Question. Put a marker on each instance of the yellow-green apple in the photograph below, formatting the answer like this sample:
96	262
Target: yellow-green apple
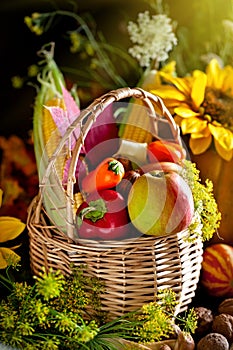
160	203
162	166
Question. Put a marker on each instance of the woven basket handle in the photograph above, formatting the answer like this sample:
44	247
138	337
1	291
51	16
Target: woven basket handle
85	121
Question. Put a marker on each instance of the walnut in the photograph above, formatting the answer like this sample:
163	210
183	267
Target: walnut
226	307
213	341
223	324
204	320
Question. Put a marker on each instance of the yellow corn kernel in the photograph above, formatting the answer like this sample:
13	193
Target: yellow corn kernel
138	127
50	136
48	123
78	200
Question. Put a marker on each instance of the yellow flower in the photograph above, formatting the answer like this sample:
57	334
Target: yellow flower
10	228
202	105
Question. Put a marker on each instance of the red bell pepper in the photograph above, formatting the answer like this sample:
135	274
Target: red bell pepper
103	216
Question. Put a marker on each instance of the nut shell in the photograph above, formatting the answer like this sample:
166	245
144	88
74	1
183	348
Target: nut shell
213	341
226	307
204	320
223	324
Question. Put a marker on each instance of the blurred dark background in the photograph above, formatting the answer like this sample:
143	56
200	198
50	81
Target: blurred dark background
19	49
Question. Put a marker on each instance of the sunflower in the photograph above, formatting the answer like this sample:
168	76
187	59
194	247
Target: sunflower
202	105
10	228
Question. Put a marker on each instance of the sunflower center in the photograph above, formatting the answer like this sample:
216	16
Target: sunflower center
219	106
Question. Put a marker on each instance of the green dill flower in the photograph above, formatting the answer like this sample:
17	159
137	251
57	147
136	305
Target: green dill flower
13	339
34	23
156	326
49	344
37	312
89	49
76	41
87	332
20	292
33	70
167	300
65	322
29	346
8	318
25	328
152	37
208	216
50	284
190	321
17	82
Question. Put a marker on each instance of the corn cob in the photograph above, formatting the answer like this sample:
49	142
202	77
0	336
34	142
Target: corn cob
137	127
51	138
78	200
48	124
51	87
53	195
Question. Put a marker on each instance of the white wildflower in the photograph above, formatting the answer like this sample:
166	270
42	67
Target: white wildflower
153	38
228	26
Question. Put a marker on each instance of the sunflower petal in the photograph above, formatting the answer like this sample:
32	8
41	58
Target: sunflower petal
200	145
201	133
169	68
181	84
223	136
169	92
225	154
192	125
8	257
185	112
10	228
198	88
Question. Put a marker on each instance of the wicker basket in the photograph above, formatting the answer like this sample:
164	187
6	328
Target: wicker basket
133	270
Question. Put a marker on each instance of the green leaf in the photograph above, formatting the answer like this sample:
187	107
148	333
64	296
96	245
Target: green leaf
95	211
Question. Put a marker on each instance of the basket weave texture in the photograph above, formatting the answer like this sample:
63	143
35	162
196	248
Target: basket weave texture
133	270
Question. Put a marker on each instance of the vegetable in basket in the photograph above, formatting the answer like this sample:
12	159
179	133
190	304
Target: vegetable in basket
107	174
55	110
103	216
165	151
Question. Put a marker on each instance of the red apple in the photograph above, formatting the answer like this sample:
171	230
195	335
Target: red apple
160	203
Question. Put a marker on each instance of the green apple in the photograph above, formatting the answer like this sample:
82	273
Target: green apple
160	203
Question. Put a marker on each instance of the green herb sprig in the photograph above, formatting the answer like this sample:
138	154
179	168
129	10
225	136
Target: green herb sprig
53	313
205	205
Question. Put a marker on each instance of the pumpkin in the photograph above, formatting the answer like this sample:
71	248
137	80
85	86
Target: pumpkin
219	171
217	270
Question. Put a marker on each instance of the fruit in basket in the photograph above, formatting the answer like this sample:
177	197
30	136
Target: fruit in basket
165	151
160	203
162	166
103	216
106	175
217	270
